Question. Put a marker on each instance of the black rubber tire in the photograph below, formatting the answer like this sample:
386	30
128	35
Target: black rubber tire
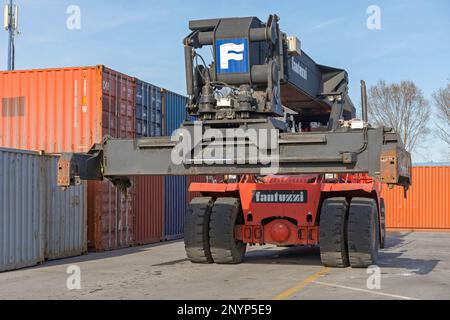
196	230
226	213
383	224
363	233
333	242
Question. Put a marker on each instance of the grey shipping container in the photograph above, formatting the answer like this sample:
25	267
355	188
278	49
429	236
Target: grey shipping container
37	220
21	210
65	218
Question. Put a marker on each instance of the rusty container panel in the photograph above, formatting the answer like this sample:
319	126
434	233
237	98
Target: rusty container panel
149	210
427	206
110	212
54	110
110	217
149	191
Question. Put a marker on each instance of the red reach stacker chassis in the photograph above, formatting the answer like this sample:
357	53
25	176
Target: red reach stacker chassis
343	214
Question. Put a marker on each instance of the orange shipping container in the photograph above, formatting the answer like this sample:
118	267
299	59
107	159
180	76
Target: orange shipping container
69	110
427	206
54	110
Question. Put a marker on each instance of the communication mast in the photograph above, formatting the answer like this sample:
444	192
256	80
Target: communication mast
11	24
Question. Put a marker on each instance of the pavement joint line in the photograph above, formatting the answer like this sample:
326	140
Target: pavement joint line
301	285
364	290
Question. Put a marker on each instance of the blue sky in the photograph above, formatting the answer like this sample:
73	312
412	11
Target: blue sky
144	39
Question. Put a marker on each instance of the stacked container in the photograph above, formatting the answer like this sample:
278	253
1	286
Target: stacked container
38	220
110	212
65	215
175	188
149	200
148	110
69	110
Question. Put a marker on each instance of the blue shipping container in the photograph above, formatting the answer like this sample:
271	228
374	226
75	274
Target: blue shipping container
148	110
175	206
174	111
175	188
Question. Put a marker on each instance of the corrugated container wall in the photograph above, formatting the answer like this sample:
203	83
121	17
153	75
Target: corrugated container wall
427	205
21	210
149	201
194	179
38	221
148	110
175	188
175	206
69	110
54	110
149	210
174	111
66	216
110	212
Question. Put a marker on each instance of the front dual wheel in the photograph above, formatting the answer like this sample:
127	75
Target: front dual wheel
349	233
209	231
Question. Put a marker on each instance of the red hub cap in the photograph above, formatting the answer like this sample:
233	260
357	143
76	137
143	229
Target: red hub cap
280	232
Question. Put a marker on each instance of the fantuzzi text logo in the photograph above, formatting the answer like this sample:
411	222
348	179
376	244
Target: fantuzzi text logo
297	68
272	196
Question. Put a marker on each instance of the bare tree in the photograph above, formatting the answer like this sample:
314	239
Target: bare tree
402	107
442	101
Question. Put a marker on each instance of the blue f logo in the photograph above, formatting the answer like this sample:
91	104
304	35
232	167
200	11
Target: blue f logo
232	56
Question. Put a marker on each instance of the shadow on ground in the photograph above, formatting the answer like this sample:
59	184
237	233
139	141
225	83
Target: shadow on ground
398	242
93	256
391	257
285	256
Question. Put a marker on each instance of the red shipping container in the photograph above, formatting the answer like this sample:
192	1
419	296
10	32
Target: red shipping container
195	179
111	215
149	196
427	206
149	210
69	110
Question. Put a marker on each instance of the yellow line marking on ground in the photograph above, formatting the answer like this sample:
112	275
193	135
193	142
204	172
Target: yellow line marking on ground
291	291
364	290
